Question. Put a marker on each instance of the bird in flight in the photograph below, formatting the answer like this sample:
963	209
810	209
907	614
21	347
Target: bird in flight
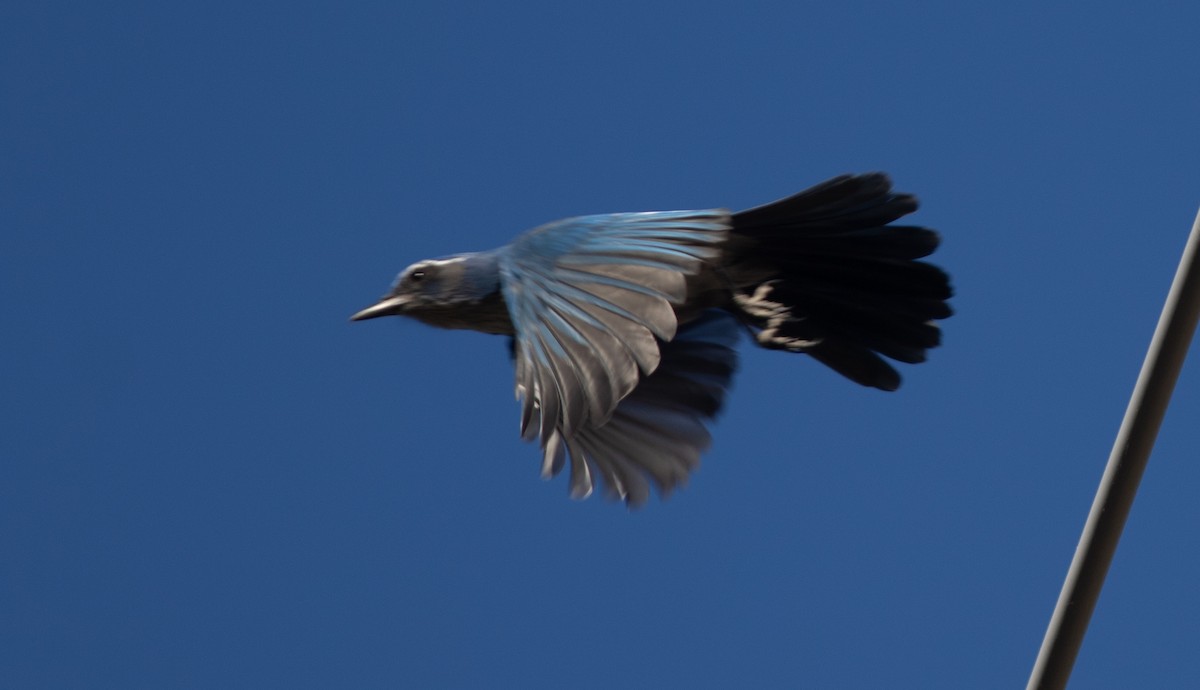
622	327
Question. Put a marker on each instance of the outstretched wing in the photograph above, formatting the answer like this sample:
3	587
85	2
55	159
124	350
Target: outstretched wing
590	300
658	431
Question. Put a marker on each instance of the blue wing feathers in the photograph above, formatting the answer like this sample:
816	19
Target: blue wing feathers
591	299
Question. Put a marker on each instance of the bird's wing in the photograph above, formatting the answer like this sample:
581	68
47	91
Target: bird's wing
658	432
590	300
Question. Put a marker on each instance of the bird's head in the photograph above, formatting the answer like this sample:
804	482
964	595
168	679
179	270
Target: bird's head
460	291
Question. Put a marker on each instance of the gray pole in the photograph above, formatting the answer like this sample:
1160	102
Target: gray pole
1119	484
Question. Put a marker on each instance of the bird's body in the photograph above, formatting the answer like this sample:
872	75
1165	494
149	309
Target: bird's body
624	324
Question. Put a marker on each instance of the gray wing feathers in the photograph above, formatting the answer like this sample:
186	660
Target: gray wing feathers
590	300
658	432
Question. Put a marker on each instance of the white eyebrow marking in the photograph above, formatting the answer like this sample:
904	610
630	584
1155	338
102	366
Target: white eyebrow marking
441	262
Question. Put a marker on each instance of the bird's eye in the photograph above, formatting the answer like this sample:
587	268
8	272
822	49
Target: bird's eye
416	276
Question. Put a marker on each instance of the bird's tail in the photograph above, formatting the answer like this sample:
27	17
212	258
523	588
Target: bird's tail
823	272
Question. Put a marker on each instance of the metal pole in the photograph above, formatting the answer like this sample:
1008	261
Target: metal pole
1119	484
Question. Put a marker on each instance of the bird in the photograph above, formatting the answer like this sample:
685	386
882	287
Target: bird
623	327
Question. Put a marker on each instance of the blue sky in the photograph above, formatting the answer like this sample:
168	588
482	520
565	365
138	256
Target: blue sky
209	478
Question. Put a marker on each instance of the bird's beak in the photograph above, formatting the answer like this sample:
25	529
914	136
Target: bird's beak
388	306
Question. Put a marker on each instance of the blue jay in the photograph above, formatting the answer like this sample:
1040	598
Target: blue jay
623	326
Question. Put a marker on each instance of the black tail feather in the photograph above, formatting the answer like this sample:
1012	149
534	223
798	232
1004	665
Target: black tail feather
851	202
888	242
832	279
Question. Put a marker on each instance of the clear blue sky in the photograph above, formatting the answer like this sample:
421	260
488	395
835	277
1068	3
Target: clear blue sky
210	479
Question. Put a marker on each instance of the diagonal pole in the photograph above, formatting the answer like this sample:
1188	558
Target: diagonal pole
1119	484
